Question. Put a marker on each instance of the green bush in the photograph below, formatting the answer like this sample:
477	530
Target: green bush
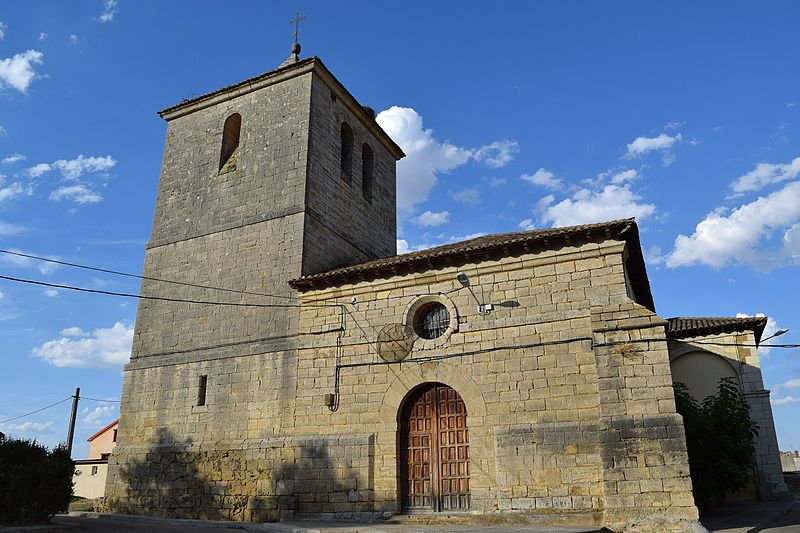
35	483
719	438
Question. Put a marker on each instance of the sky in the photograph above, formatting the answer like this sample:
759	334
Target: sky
513	116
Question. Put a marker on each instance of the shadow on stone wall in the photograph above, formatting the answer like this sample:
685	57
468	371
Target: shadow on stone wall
308	476
322	480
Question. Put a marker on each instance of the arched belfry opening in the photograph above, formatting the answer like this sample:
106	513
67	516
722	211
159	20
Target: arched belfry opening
434	450
230	143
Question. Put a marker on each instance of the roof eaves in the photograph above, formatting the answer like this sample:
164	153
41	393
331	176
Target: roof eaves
112	424
486	247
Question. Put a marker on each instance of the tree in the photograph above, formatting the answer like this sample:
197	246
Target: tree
719	438
35	483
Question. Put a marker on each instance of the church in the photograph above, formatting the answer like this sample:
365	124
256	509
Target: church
287	363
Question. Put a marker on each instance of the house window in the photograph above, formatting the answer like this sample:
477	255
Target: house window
431	320
347	152
94	470
201	390
230	143
366	172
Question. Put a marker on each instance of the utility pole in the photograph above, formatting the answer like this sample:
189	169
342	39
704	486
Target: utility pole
72	416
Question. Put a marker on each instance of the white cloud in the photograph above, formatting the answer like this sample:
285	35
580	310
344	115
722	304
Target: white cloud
43	36
429	218
402	246
792	384
588	206
30	427
497	154
73	169
426	157
73	39
769	330
643	145
38	170
51	293
73	331
13	159
99	416
467	196
497	182
3	29
724	237
79	194
786	400
2	296
10	229
110	9
765	174
18	71
544	178
12	191
105	347
3	131
625	175
527	225
674	125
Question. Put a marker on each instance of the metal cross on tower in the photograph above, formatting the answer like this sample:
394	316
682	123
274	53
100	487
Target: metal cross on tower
296	21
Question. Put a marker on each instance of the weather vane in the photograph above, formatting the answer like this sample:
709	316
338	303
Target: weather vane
296	21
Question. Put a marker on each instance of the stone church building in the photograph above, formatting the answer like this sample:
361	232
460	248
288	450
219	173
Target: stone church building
295	366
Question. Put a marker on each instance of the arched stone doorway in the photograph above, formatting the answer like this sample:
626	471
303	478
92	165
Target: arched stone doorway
434	450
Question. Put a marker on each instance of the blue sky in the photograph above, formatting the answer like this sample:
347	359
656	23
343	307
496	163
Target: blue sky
517	115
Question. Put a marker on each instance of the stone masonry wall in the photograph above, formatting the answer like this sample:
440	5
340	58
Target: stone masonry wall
546	434
646	475
345	228
236	456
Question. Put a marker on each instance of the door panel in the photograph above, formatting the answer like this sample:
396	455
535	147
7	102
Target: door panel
434	451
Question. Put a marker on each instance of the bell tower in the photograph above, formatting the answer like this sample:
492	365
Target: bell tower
276	177
264	181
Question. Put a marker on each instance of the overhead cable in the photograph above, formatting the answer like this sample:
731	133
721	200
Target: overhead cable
148	278
36	411
158	298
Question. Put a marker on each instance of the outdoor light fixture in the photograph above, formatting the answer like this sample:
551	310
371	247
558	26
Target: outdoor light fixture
462	279
776	334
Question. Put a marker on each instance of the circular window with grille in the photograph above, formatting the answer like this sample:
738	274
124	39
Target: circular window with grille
431	320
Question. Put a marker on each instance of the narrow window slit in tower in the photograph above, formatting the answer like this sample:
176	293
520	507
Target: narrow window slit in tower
230	143
366	172
201	390
347	152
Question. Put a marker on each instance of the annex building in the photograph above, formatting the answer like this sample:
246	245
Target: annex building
299	367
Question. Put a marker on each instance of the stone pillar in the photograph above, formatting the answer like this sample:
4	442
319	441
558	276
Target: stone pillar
645	462
771	485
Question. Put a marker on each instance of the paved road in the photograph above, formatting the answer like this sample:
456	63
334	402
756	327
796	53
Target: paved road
100	525
109	525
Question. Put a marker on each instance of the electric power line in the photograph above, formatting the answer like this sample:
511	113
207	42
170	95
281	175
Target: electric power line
36	411
99	400
148	278
158	298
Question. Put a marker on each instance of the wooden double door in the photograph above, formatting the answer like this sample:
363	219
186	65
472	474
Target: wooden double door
434	450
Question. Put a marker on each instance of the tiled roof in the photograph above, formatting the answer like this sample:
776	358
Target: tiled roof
111	425
682	327
492	247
